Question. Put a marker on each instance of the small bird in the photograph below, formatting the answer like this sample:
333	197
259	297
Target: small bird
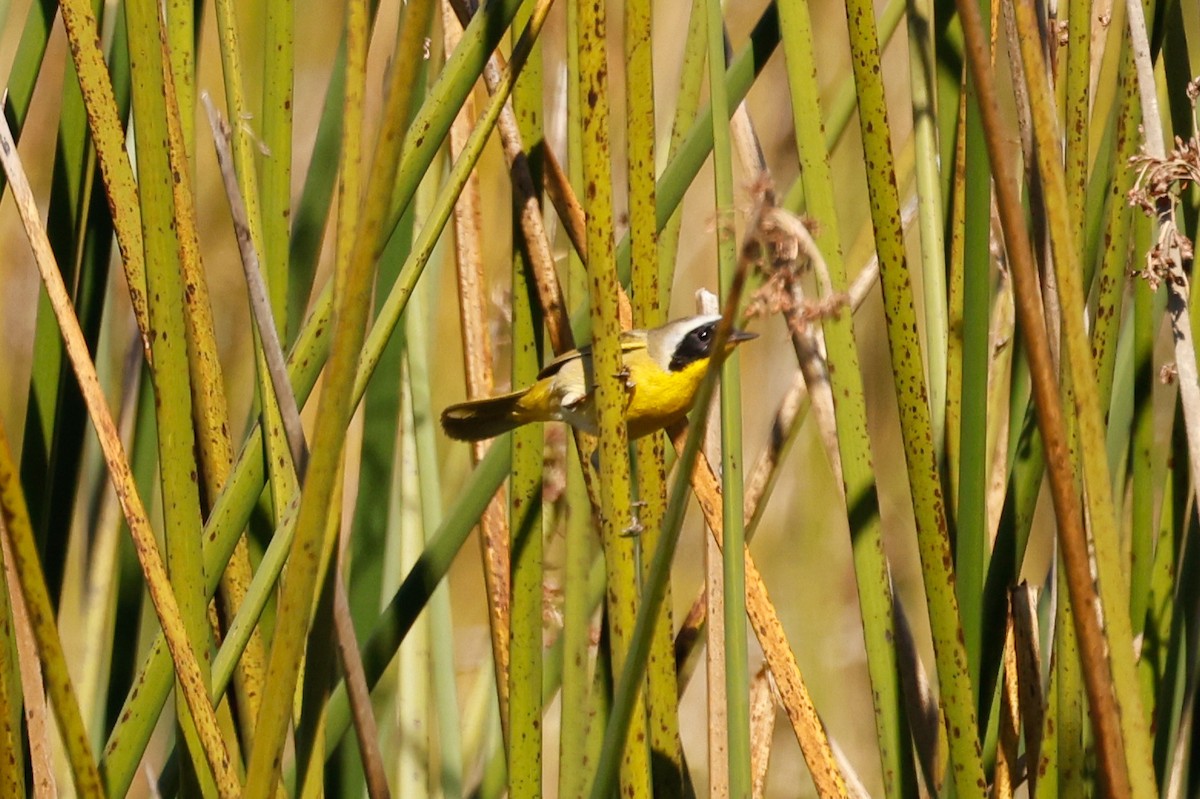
663	368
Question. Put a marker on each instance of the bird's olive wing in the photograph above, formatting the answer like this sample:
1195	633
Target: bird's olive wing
629	341
555	366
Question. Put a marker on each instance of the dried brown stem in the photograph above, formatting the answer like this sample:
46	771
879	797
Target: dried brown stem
260	305
1072	536
357	692
477	353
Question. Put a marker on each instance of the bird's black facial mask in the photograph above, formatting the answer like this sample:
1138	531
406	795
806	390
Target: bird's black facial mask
695	345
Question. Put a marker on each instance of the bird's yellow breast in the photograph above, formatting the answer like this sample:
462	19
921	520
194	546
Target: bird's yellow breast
656	397
659	398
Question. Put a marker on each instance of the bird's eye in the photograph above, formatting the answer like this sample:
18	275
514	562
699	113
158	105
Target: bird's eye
704	334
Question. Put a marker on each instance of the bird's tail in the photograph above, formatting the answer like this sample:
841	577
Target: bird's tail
476	420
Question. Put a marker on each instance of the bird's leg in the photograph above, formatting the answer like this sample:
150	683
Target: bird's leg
626	377
635	527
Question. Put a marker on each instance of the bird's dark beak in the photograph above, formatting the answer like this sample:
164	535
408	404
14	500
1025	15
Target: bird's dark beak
738	336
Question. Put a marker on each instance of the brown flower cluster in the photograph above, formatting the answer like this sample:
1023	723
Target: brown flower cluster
1156	191
788	253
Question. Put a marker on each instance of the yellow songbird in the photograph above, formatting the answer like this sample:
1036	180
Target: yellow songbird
663	370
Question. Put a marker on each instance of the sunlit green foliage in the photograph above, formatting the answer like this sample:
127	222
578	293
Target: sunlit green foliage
961	457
